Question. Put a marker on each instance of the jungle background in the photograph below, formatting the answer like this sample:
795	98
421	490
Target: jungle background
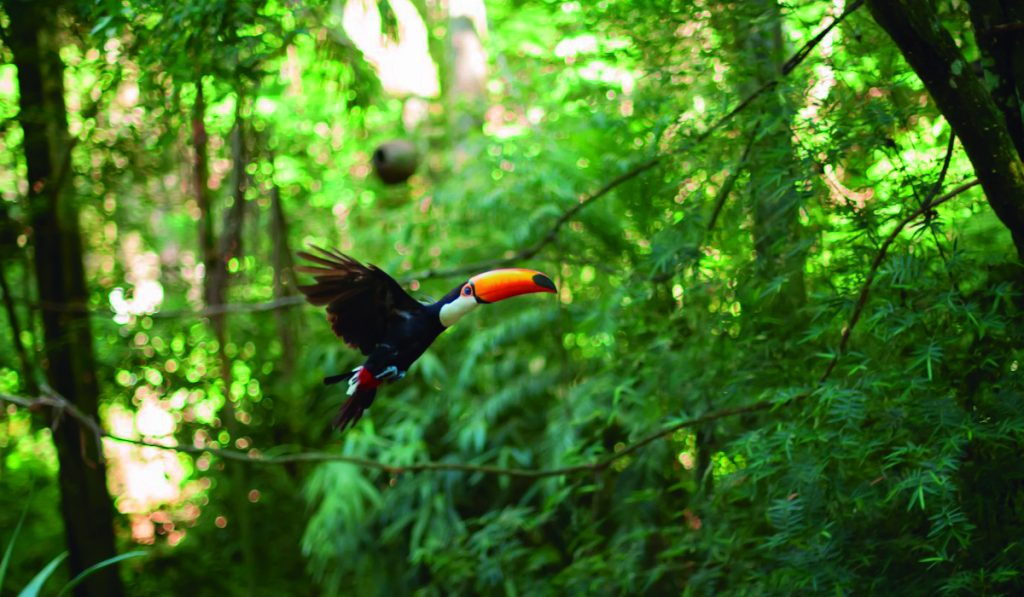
784	355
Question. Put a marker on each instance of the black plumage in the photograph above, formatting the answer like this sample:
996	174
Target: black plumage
370	311
363	302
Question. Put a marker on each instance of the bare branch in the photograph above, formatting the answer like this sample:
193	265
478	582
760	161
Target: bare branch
950	146
1008	28
280	303
730	181
50	398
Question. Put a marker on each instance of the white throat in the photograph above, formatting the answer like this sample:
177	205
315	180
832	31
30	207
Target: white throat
454	310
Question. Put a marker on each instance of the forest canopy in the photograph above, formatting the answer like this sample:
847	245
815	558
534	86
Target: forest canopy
783	356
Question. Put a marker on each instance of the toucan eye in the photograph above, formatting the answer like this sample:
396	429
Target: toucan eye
467	290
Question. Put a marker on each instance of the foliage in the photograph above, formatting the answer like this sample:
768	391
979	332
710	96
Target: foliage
34	586
896	472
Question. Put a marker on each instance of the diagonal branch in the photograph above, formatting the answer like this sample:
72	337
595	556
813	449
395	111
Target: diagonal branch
802	53
60	405
551	234
719	203
862	297
730	181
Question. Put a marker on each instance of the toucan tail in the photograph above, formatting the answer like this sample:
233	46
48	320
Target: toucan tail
362	387
353	408
333	379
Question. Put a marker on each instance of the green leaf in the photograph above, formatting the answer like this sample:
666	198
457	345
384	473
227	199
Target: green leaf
96	567
10	544
36	584
102	24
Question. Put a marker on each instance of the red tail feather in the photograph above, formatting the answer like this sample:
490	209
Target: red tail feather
353	408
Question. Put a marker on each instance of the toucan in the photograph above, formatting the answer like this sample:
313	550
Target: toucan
370	311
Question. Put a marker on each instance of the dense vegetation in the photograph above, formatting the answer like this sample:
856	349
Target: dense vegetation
784	356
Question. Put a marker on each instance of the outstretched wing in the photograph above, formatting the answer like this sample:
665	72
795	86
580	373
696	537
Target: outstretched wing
363	302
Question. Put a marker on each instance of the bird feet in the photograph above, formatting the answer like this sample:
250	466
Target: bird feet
390	374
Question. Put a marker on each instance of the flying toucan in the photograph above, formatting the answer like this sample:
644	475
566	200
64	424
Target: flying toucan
369	310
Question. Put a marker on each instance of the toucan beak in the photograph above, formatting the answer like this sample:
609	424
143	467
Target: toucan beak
500	284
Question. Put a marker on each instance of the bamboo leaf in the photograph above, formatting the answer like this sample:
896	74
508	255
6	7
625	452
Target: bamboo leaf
36	584
96	567
10	543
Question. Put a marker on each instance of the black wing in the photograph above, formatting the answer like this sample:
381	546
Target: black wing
363	302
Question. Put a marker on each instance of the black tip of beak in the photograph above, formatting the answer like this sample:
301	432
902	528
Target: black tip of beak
544	282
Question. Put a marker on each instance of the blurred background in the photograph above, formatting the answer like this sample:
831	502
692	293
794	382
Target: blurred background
725	233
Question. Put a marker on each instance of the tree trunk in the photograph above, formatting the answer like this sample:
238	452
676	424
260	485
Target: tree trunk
999	31
28	382
201	173
215	287
231	248
774	171
69	364
754	38
964	100
284	278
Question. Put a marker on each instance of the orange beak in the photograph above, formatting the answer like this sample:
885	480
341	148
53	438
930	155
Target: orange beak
500	284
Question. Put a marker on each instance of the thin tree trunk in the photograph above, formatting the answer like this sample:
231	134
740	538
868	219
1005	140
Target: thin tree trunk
754	39
287	325
231	248
215	286
28	382
87	509
774	172
201	173
284	277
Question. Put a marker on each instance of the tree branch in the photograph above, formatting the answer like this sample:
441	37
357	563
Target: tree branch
865	289
283	302
730	181
59	403
551	234
720	198
1008	28
802	53
52	400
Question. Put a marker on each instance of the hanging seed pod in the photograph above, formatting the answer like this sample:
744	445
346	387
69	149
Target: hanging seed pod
395	161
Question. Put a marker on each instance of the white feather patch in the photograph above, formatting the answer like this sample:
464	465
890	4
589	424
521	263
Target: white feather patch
353	382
